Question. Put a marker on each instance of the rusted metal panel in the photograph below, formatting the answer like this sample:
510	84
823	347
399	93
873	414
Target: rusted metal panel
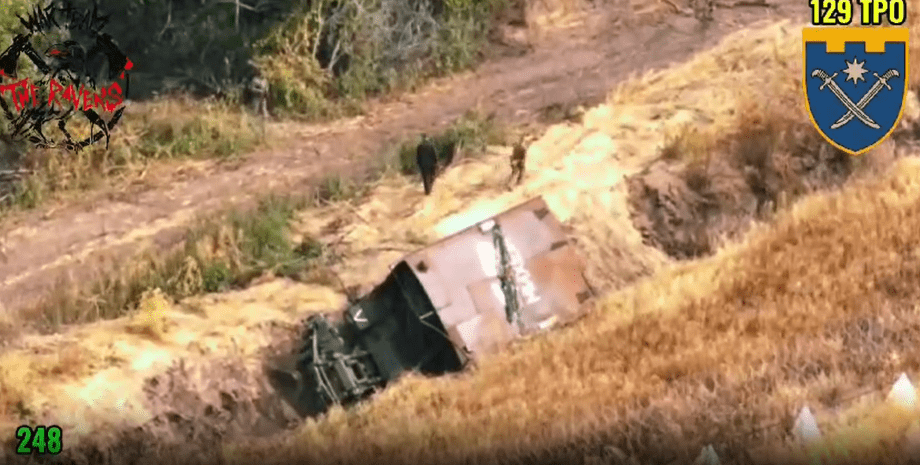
460	274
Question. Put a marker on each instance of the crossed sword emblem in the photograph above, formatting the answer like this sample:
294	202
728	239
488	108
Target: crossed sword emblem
855	110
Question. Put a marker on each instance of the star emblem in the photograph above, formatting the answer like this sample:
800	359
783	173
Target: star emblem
855	71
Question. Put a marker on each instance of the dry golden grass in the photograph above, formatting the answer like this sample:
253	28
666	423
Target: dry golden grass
670	359
150	317
730	73
21	375
808	281
577	169
364	250
865	435
90	379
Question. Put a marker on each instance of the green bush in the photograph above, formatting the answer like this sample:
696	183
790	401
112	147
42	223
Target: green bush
313	51
331	51
223	252
472	132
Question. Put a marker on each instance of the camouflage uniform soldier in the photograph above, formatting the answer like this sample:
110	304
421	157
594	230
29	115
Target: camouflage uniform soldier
259	88
702	10
426	156
518	159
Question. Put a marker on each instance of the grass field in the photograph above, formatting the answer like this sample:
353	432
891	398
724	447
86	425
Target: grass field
670	359
724	349
229	250
690	346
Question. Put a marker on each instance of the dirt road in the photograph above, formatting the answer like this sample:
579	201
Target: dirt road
580	65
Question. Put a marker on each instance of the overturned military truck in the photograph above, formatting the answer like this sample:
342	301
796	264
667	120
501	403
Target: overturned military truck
470	293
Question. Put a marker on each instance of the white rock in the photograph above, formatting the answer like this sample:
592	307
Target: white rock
903	393
707	456
806	427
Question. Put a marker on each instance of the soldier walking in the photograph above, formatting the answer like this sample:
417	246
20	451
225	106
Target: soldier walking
518	159
427	159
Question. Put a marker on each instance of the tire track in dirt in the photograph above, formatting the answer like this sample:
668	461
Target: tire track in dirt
77	242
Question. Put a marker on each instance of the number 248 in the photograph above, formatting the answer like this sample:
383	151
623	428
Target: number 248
39	439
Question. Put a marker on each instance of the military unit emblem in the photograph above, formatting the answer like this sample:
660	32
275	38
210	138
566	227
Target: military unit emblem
852	112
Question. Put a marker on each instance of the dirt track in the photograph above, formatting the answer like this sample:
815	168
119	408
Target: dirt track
579	65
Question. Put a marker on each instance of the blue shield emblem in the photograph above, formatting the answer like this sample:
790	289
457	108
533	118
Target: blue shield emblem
855	83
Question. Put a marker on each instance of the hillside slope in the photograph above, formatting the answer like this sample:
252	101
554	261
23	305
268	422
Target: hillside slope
677	344
687	356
